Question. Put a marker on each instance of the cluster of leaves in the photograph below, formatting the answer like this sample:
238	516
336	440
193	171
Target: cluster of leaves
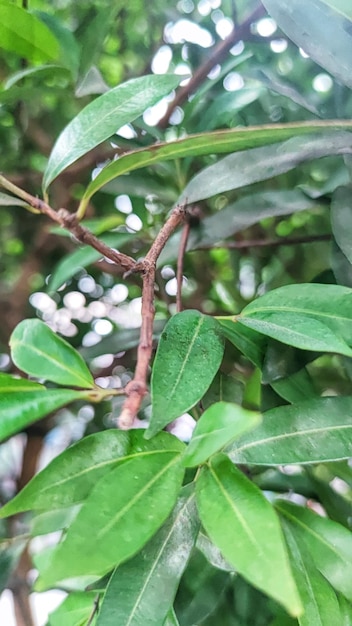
184	534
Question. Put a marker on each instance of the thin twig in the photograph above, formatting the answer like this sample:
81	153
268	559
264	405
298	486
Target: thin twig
69	221
179	273
238	33
137	387
94	610
261	243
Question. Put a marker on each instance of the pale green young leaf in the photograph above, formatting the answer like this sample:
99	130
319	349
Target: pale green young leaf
100	119
122	512
189	355
242	523
38	351
219	425
71	475
133	596
322	28
328	543
23	33
318	429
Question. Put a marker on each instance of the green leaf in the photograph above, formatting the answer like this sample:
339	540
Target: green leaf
296	329
51	521
82	257
220	423
123	511
188	356
7	200
103	117
74	610
311	26
329	544
341	220
23	33
320	603
251	166
10	553
133	596
243	524
71	476
296	387
318	429
172	620
69	49
251	343
218	142
38	351
329	304
23	402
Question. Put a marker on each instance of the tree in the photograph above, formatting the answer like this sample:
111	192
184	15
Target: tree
236	186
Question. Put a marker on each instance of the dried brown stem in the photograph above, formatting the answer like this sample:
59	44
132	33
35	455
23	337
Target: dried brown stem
179	274
238	33
137	388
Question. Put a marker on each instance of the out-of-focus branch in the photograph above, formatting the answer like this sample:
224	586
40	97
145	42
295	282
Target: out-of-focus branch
242	31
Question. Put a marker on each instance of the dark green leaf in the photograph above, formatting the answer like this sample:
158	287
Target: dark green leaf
329	544
134	596
171	619
188	356
70	477
311	26
243	524
320	603
121	513
218	142
103	117
251	166
38	351
23	33
329	304
296	387
224	388
220	423
69	50
251	343
296	329
314	430
23	402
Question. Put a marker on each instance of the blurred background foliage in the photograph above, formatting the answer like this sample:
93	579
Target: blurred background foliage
263	79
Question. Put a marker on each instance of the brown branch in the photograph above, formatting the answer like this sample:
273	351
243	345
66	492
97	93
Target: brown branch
137	388
69	221
238	33
261	243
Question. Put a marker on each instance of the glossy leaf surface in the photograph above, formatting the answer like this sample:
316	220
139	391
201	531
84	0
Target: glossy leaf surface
298	330
188	356
141	591
219	424
71	476
243	524
329	544
125	509
319	429
329	304
38	351
103	117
